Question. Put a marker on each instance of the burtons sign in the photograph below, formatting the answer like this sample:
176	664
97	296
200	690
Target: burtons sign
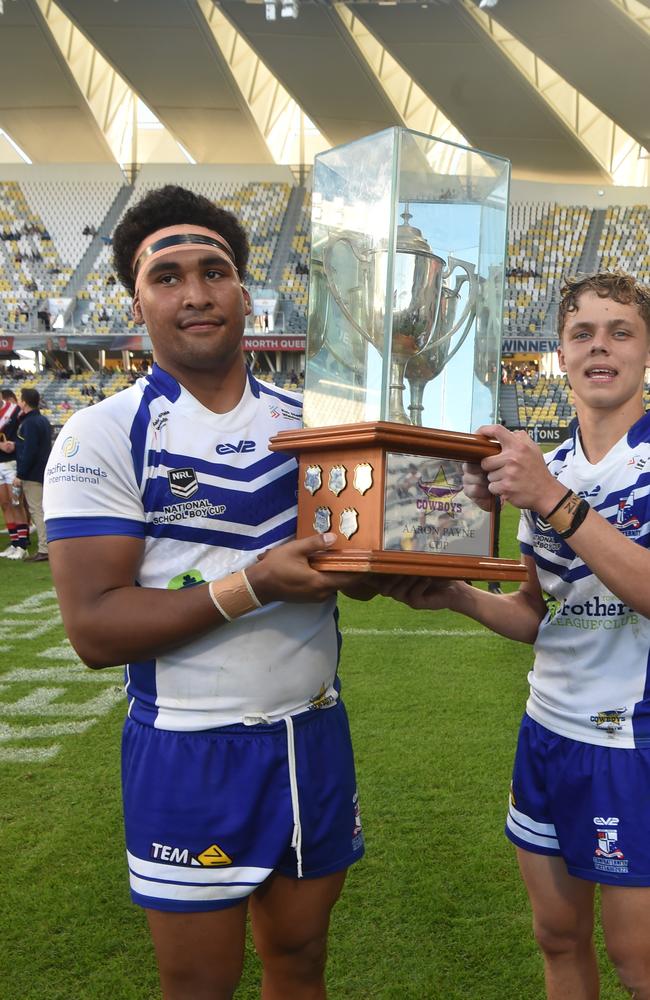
548	435
274	343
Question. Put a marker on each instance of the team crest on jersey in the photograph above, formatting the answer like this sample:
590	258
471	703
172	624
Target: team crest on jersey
625	519
611	720
183	482
608	856
638	462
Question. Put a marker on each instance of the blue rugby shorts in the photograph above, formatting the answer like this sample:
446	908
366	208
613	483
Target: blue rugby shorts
583	802
210	815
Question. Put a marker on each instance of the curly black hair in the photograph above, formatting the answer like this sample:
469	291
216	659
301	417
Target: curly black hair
172	205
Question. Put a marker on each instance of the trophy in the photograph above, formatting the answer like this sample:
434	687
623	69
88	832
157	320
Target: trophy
406	293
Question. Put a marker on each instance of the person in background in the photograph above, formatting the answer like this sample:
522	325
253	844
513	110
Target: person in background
33	445
13	508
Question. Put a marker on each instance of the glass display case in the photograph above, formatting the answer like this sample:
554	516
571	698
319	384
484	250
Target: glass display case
403	353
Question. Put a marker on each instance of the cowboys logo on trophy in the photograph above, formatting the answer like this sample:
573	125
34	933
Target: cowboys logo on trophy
403	351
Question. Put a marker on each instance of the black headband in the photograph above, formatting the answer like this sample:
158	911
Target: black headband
178	240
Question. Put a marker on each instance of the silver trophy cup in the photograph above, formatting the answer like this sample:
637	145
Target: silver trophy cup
423	313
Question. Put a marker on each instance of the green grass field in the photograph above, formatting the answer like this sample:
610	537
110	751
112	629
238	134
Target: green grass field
435	911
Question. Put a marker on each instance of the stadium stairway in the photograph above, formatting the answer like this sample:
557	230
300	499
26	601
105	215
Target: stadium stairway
589	258
78	279
508	408
285	236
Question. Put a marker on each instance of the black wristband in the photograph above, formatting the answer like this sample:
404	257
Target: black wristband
558	505
581	512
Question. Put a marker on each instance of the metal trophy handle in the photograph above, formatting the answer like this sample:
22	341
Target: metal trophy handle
469	312
323	286
429	362
317	332
329	270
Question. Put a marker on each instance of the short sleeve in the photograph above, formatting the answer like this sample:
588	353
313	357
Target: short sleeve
90	486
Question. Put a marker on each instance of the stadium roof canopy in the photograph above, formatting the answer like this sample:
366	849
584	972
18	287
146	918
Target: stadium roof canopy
560	87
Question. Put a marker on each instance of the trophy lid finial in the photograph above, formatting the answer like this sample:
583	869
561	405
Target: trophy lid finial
410	238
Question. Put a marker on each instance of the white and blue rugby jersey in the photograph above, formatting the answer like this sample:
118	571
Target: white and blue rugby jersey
206	495
591	677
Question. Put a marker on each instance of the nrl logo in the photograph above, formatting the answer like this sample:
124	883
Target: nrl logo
183	482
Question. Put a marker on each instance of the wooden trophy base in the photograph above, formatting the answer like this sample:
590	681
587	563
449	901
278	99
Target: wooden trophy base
346	485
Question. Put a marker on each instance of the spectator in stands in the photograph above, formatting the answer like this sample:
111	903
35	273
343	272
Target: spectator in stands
243	660
13	508
33	445
579	806
45	318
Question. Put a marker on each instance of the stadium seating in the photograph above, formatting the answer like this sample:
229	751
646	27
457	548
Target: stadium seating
624	240
545	241
42	242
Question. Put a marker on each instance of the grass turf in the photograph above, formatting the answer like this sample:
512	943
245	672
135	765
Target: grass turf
435	911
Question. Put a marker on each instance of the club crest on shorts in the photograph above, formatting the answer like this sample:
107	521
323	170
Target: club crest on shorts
608	856
183	482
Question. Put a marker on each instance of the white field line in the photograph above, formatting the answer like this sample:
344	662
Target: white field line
8	733
63	673
36	616
62	651
28	755
34	604
13	631
39	702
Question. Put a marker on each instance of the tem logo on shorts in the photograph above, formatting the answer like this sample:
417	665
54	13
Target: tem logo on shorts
183	482
212	857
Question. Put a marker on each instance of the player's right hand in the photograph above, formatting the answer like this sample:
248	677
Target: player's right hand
285	574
